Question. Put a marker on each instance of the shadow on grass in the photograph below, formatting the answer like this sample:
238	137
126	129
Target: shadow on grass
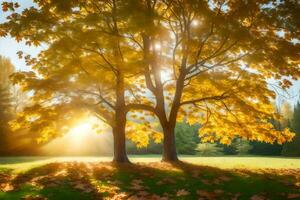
75	180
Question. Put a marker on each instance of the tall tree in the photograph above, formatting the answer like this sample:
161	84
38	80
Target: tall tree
219	55
293	148
6	69
89	66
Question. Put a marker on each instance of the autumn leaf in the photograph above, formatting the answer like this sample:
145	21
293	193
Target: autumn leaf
6	187
34	197
206	194
257	197
293	196
182	192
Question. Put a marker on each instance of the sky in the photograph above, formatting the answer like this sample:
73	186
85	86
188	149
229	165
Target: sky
9	47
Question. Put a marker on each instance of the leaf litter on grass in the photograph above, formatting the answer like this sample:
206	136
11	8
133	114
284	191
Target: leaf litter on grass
154	181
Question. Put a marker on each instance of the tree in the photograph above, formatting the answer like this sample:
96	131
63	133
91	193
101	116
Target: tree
286	113
186	138
219	55
5	116
6	69
243	147
88	67
209	149
293	148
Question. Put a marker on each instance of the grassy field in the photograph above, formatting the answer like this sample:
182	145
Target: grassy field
224	162
254	178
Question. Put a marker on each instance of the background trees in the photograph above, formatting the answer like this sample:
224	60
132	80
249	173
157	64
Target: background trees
293	148
186	138
6	112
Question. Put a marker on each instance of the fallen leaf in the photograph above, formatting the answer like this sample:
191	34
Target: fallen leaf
142	193
79	186
182	192
219	191
31	197
257	197
236	196
293	196
224	178
118	196
7	187
206	194
206	182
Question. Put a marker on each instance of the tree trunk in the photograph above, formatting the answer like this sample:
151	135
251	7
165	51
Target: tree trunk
169	148
170	154
120	155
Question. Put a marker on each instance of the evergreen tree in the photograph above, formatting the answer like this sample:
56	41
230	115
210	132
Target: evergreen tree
5	115
6	69
209	149
186	137
243	147
293	148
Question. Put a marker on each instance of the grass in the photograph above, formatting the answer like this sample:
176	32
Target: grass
195	178
20	164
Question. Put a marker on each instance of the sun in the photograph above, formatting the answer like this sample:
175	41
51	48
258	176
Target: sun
83	139
80	131
165	75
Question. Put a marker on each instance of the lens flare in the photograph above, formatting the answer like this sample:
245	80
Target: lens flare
80	132
82	140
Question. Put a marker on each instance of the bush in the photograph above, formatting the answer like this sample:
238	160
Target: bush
209	149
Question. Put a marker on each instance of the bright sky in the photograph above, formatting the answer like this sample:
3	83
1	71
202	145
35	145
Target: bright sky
9	47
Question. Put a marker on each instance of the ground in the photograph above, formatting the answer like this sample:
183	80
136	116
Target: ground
252	178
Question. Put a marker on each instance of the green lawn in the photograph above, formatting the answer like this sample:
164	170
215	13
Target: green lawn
196	178
224	162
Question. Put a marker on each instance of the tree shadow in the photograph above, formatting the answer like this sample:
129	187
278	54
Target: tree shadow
157	180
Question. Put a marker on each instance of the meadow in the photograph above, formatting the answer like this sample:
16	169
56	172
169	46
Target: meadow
226	177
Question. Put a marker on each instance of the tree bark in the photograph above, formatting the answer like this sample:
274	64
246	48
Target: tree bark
170	154
120	155
169	147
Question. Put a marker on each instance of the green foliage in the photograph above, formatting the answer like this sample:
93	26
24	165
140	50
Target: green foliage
262	148
293	148
152	148
243	146
186	137
238	146
209	149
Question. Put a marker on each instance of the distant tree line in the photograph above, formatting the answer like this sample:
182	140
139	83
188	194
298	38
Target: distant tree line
11	102
188	142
